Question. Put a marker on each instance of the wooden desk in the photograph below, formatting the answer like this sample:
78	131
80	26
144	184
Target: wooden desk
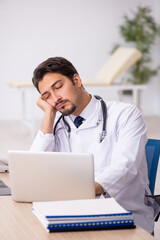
17	222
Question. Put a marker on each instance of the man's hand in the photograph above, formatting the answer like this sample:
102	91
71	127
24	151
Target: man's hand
98	188
44	105
49	115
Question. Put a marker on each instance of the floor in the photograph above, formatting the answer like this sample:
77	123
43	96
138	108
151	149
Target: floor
12	139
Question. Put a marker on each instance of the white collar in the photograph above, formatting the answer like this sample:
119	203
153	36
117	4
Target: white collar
89	109
92	115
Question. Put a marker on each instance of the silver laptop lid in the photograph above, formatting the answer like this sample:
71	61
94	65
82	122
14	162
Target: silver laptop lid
49	176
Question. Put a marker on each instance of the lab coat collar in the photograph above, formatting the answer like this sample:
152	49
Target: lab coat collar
89	109
91	114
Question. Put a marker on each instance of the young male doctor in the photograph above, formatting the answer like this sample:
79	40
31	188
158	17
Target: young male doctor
119	159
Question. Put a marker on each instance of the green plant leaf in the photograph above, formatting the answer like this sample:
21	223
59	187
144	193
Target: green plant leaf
140	30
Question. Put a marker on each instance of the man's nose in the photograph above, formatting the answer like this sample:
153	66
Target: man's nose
55	96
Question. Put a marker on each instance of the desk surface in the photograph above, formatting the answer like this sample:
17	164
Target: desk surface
17	222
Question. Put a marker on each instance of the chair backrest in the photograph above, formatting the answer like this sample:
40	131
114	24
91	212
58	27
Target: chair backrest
152	156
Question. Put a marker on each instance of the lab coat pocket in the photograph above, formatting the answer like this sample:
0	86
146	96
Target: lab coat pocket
102	152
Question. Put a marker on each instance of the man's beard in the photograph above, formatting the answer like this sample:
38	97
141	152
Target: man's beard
69	111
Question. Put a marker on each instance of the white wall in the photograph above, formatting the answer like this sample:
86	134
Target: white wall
83	31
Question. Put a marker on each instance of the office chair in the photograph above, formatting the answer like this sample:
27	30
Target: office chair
152	157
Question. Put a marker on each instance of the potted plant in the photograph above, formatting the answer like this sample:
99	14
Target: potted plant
141	31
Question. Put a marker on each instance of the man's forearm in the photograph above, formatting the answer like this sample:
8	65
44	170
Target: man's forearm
47	122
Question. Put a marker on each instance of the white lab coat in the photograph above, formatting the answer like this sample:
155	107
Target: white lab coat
120	164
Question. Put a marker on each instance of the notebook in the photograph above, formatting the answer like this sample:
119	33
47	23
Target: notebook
83	214
3	165
4	189
50	176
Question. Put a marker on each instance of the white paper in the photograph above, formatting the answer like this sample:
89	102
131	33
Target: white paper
79	207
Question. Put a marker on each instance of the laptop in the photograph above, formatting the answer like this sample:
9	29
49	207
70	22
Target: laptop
51	176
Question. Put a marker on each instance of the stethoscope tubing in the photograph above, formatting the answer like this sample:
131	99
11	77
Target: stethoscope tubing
104	114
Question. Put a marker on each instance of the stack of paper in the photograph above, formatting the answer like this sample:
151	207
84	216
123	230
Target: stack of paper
82	215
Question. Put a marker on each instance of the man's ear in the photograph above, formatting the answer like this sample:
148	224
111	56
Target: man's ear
77	80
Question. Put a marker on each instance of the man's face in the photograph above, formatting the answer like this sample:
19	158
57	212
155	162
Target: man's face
61	93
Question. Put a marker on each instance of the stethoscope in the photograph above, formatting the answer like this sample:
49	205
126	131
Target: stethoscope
104	114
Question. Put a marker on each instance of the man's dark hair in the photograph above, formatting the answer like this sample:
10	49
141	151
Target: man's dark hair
53	65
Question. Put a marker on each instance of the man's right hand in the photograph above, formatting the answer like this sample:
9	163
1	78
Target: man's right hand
44	105
49	115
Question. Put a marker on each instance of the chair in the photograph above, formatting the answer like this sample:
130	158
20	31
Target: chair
152	157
